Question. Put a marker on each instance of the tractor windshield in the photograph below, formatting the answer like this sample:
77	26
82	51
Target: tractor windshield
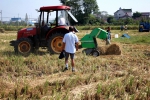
70	14
64	14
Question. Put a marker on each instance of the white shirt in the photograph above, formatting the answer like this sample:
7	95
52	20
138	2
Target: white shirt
70	39
62	21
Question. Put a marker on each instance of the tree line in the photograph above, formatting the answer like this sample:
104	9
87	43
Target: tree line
88	13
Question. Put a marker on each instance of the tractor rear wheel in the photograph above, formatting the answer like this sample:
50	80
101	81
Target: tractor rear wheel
55	42
23	46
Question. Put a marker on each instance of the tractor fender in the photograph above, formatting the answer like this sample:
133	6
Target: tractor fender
62	29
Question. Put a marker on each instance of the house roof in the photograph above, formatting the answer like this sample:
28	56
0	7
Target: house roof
116	11
125	10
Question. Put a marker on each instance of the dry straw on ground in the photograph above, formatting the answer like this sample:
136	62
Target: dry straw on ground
2	30
113	49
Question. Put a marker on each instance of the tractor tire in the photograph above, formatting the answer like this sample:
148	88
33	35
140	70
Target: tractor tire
95	53
23	46
55	43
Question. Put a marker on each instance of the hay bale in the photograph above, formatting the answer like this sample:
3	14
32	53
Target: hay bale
102	50
113	49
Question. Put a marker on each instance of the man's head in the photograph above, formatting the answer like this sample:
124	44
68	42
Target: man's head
71	28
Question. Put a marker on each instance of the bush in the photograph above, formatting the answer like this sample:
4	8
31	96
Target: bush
11	27
86	27
89	27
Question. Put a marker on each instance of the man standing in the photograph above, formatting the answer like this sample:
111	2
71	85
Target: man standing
70	45
108	39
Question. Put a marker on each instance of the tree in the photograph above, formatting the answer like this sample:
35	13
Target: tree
128	21
136	15
90	6
64	1
82	9
110	19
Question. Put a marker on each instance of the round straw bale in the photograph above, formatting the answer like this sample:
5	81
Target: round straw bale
102	50
113	49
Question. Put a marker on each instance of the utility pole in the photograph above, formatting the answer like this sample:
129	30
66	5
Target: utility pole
26	19
1	16
18	19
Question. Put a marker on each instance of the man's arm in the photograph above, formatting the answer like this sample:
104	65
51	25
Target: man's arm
110	36
77	46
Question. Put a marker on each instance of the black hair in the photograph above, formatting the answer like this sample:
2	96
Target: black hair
71	28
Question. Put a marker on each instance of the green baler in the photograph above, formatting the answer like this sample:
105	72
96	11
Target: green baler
89	41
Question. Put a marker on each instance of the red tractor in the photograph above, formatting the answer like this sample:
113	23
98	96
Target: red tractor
47	35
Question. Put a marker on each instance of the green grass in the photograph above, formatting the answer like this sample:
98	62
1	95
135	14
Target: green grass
138	39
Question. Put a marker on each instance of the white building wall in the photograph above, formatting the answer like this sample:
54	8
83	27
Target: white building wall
130	13
120	13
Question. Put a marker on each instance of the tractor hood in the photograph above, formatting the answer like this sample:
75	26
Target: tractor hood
25	32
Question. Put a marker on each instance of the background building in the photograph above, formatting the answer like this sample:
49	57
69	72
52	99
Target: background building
15	20
123	13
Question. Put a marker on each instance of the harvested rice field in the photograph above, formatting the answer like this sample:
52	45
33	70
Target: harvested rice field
121	72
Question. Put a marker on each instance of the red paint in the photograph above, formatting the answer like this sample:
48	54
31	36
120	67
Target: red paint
54	8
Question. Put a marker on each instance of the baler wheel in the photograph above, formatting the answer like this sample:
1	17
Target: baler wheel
95	53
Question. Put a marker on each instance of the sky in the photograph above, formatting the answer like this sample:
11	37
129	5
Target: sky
19	8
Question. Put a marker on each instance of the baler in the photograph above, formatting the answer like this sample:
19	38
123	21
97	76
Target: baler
89	41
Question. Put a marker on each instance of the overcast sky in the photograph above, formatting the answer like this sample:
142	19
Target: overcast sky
15	8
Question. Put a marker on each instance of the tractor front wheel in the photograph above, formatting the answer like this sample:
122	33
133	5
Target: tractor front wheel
55	42
23	46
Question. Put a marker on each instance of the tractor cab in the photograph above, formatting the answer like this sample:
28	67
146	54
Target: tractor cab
46	23
46	33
